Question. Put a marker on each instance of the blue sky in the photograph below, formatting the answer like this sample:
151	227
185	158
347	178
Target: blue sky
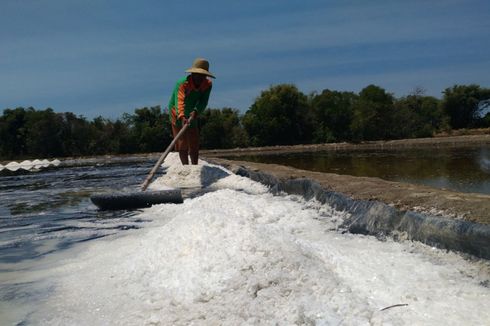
108	57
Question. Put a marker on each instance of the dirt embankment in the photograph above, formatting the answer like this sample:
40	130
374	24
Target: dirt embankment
467	206
436	142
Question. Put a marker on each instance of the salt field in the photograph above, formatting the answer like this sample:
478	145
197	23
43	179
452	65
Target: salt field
234	254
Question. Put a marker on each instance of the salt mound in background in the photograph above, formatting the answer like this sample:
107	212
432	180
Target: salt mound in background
177	175
29	165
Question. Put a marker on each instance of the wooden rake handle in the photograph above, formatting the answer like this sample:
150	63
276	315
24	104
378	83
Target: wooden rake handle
145	184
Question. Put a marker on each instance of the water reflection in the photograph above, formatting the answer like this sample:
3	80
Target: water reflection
50	210
460	169
484	160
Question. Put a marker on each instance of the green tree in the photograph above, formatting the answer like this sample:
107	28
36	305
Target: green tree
460	103
76	135
43	130
373	114
417	115
12	133
101	137
150	129
279	116
333	113
221	129
125	143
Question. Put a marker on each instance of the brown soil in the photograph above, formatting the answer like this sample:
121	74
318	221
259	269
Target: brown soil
404	196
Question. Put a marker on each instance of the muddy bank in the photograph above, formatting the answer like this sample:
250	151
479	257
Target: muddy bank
437	142
403	196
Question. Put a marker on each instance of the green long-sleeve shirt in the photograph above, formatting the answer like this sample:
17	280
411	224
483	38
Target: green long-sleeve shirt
187	98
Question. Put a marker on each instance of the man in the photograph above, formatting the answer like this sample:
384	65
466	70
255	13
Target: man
190	98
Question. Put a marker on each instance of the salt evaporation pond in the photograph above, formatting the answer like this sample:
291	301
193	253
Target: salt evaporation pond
237	255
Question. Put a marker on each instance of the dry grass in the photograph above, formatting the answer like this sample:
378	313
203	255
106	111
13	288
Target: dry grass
464	132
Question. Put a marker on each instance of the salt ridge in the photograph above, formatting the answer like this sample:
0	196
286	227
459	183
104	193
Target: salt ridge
29	165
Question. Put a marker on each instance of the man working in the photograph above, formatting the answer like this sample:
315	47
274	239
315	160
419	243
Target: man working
190	98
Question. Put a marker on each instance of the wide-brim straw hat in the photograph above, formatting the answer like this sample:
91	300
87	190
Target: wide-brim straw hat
200	66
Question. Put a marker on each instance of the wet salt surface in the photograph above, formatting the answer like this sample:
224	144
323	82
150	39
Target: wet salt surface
238	255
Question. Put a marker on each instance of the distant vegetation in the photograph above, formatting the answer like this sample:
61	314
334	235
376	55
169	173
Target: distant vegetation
281	115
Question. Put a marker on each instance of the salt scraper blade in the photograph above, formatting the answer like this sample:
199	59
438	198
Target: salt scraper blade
134	200
141	199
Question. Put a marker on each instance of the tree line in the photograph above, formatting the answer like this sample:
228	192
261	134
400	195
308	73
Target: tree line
280	115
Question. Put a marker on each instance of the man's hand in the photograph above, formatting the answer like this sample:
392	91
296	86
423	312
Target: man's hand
186	121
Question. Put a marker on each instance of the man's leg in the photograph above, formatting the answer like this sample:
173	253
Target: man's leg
184	157
193	137
194	157
182	145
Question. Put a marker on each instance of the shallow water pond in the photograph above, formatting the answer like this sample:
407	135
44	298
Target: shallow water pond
43	212
460	169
